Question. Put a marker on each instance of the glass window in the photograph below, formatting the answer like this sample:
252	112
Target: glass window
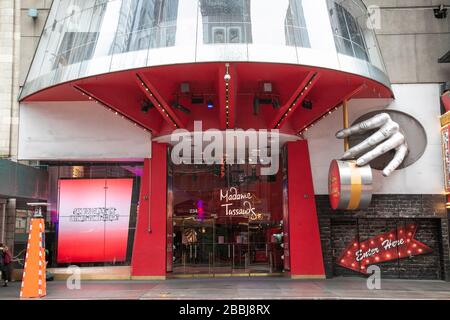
347	32
146	24
103	212
75	47
226	21
295	25
225	219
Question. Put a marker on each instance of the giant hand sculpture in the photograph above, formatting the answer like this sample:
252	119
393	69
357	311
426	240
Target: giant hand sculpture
388	137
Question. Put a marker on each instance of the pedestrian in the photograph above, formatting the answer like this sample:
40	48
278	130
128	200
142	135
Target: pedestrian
6	264
1	259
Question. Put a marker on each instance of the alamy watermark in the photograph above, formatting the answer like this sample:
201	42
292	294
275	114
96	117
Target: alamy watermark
231	147
374	19
374	280
74	280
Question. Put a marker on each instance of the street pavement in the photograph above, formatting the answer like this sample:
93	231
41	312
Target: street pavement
243	288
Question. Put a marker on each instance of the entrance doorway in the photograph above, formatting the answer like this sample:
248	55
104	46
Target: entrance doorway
224	220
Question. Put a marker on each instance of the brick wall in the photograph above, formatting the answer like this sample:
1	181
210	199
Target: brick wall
387	212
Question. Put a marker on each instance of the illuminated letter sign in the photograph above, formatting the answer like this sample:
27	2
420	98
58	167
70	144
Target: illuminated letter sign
230	198
395	244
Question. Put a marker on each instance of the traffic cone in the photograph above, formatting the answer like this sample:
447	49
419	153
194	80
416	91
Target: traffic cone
33	279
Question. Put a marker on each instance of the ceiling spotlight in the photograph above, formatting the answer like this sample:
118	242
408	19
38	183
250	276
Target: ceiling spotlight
146	106
256	106
275	103
441	12
183	109
185	87
210	104
307	104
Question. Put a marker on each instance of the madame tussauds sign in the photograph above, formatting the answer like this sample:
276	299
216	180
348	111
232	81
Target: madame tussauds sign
229	198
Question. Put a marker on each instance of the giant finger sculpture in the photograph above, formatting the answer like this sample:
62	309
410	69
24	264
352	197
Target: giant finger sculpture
387	138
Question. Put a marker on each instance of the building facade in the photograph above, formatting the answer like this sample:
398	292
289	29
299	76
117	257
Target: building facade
112	81
19	34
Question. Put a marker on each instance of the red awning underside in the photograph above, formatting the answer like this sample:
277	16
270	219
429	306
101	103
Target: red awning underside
123	92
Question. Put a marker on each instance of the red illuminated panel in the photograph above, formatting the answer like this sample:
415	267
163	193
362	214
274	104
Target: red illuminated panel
94	216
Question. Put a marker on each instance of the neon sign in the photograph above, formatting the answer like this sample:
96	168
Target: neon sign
231	197
395	244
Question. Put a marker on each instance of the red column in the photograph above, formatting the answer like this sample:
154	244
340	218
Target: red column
304	236
149	250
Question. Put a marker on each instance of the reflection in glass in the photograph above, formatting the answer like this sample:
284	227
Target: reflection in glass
72	48
347	32
211	235
295	25
226	21
146	24
53	217
89	37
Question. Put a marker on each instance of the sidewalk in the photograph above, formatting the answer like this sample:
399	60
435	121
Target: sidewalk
243	288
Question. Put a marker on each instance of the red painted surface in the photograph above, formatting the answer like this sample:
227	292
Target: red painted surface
446	100
295	100
334	185
122	93
304	240
149	251
159	102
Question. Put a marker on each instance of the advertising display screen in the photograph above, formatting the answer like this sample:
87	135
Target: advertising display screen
94	217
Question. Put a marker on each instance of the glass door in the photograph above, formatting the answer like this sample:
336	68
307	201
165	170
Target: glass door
266	248
260	257
240	246
194	242
223	247
226	221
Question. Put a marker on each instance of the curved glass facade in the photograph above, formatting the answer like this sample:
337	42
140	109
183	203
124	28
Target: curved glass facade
90	37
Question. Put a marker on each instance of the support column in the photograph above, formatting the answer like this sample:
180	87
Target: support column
8	222
304	235
149	251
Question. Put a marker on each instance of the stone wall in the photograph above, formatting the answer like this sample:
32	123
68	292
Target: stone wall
412	40
19	36
10	222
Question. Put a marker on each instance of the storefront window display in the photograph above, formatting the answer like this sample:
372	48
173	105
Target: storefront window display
91	217
225	219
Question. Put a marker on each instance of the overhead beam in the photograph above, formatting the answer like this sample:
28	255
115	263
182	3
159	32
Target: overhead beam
93	97
287	110
334	106
158	101
227	96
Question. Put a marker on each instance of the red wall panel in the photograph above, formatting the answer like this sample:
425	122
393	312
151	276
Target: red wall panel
304	236
149	251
